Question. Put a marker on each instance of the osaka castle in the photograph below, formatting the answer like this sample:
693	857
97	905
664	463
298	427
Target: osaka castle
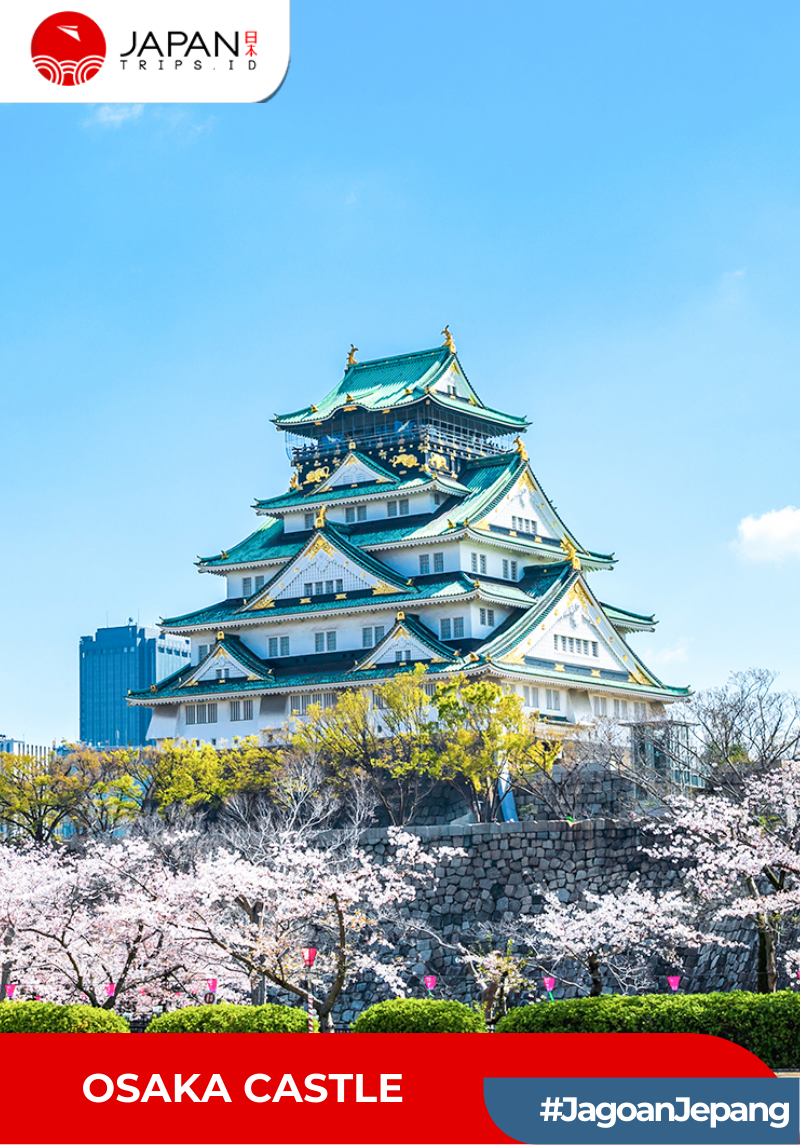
413	532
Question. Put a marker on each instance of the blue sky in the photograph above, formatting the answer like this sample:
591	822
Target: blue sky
601	198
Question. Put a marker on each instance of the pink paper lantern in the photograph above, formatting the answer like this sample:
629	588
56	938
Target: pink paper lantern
10	988
212	984
549	984
111	989
674	982
430	982
309	954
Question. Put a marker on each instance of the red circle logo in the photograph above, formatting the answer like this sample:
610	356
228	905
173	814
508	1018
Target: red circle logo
68	48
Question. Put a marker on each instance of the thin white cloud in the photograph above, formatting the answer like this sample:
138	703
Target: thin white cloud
771	537
114	114
677	653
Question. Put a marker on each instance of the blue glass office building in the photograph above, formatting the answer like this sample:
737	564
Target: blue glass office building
116	661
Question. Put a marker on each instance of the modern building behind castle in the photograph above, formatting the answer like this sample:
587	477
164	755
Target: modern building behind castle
413	531
114	662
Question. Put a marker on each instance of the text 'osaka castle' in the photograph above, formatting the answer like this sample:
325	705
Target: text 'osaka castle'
413	532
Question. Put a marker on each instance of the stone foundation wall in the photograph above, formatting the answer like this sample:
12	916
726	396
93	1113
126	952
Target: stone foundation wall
497	879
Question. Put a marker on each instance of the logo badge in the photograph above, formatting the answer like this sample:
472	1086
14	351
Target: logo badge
68	48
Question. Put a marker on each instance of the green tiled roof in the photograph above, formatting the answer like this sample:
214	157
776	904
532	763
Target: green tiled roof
383	383
633	621
424	590
420	632
299	500
267	543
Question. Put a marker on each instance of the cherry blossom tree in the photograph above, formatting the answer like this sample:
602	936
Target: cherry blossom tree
74	924
616	934
739	851
255	917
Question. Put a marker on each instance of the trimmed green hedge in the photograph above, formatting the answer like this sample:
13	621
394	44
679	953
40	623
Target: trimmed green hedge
418	1016
766	1024
225	1018
49	1018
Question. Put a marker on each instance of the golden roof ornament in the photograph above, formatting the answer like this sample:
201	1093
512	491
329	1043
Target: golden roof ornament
572	553
319	520
220	636
448	340
351	357
521	450
294	483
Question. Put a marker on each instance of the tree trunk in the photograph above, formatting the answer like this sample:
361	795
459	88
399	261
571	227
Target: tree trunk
767	976
596	976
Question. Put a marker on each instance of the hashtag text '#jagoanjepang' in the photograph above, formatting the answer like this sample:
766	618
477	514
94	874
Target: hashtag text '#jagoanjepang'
607	1113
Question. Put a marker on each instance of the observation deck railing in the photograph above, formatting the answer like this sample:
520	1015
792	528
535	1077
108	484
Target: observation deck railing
466	443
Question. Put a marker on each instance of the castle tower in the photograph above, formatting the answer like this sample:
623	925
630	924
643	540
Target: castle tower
413	531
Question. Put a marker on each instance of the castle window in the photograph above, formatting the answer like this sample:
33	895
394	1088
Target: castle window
445	629
284	645
330	641
308	520
531	696
483	563
483	616
319	641
278	646
247	709
236	711
202	652
403	506
513	570
340	586
438	562
505	570
600	705
391	508
308	588
640	711
490	617
361	513
473	562
191	713
621	709
259	583
329	587
424	564
247	585
371	637
458	627
552	700
319	588
595	648
350	514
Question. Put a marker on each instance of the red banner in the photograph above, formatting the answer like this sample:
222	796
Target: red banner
355	1088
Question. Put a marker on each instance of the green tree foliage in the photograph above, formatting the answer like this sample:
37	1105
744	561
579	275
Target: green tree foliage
419	1016
85	793
230	1019
387	738
49	1018
765	1024
199	776
484	739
